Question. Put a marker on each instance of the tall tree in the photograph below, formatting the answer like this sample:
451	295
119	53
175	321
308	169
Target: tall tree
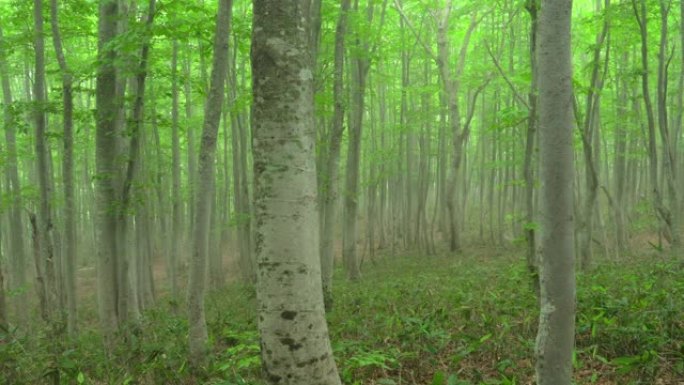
555	338
451	86
17	276
532	7
360	65
3	298
589	130
330	184
671	211
44	223
106	169
204	193
295	347
176	208
67	172
133	162
662	214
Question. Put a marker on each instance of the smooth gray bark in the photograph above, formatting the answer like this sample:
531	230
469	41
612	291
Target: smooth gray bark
3	301
330	183
204	192
619	165
3	298
555	338
176	208
670	212
17	276
70	250
106	170
360	65
589	131
295	347
532	7
241	195
43	170
190	132
640	13
451	86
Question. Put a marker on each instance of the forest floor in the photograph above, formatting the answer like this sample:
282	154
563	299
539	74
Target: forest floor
440	320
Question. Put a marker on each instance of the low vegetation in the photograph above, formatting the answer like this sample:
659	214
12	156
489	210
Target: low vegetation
413	319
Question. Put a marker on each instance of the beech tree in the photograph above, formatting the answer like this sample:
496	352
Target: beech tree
556	333
70	245
295	348
469	129
204	193
106	144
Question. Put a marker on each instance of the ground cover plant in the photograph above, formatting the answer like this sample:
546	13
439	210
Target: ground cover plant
450	320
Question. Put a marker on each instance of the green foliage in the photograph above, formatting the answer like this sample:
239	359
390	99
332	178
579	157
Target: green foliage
449	321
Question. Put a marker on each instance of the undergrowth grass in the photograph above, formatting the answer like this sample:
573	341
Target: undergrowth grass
411	320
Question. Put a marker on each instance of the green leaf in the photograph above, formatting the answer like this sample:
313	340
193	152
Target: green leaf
439	378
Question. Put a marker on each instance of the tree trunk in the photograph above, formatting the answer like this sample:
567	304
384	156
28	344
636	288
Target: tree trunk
190	132
241	194
176	209
531	134
589	131
70	251
671	211
294	335
359	72
43	170
330	185
17	276
205	191
555	338
640	13
3	302
620	165
106	170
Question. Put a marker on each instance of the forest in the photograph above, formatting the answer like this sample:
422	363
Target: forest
327	192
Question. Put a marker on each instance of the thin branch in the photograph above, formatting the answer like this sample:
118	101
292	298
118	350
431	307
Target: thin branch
471	108
427	48
505	77
474	21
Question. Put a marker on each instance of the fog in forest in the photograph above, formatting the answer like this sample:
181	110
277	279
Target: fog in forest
328	192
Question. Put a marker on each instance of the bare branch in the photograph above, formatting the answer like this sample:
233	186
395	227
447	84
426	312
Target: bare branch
505	77
427	48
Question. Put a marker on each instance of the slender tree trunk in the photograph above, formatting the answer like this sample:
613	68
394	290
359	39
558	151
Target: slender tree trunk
3	301
43	170
531	134
294	335
359	72
451	81
70	250
240	181
176	208
106	169
4	321
555	338
641	16
130	259
331	175
382	106
360	66
205	192
671	211
190	133
17	276
589	131
620	165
